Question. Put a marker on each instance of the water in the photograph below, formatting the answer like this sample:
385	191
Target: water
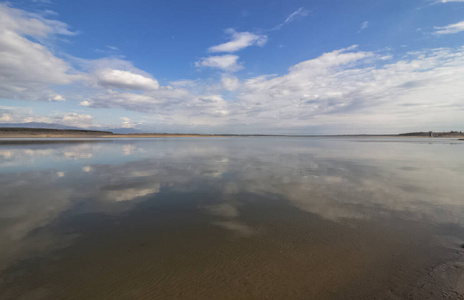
232	218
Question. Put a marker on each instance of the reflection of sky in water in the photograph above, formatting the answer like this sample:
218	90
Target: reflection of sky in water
340	180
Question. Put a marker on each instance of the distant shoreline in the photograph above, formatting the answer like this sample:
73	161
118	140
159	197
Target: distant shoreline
8	132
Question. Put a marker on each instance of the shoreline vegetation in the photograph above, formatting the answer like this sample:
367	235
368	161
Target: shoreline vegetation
18	132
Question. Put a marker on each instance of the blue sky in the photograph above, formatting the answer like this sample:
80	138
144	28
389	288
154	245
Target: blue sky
296	67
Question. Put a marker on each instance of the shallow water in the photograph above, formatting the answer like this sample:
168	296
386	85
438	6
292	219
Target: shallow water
231	218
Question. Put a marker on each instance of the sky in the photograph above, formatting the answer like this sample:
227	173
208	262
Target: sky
272	67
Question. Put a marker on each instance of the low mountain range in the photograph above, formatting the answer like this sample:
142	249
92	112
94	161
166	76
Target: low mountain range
60	126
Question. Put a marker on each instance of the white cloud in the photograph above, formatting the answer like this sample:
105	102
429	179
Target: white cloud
300	12
35	118
342	89
364	25
74	119
230	82
183	83
114	48
239	41
125	80
153	100
4	117
29	69
168	107
26	23
20	115
449	29
112	72
346	90
226	62
211	105
447	1
126	122
56	97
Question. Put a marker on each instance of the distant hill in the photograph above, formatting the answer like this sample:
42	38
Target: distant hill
435	134
49	131
124	130
65	127
39	125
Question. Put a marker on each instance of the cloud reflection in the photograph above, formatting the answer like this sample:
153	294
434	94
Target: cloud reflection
338	180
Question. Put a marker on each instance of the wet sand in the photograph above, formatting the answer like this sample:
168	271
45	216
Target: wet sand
231	219
161	253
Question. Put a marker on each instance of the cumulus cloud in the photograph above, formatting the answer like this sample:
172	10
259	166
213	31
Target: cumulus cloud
74	119
447	1
160	99
127	123
226	62
115	73
449	29
29	69
168	107
343	90
213	105
20	115
239	41
56	97
230	82
125	80
27	115
26	23
4	117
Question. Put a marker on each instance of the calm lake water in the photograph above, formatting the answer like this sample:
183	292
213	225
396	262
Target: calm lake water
232	218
